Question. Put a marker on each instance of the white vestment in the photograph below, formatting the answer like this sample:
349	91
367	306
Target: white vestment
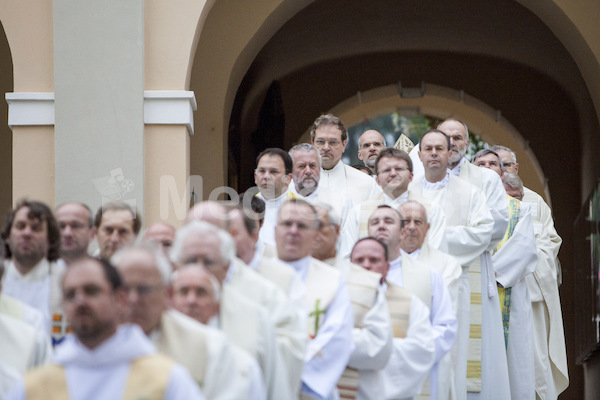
9	377
267	231
204	351
413	354
434	293
331	322
551	373
101	373
280	274
25	313
287	318
250	381
350	182
247	324
41	289
513	262
451	272
372	334
357	222
341	203
468	234
21	346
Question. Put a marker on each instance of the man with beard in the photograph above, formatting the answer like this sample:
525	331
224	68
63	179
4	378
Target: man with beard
370	144
329	135
306	173
77	230
103	360
32	246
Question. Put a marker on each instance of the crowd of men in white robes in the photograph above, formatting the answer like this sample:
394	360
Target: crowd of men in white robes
427	277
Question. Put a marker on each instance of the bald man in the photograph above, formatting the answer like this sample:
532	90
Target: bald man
370	144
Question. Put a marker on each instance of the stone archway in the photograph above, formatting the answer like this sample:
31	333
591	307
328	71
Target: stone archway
442	103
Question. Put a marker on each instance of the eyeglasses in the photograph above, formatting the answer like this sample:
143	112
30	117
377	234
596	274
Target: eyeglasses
332	143
301	226
388	171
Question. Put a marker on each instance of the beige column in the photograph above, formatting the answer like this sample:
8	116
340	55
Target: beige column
171	37
29	30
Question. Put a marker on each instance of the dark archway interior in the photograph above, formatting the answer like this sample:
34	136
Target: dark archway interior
6	85
496	51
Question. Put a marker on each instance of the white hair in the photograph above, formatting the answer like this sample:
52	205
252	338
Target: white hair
332	214
160	261
213	281
227	249
512	153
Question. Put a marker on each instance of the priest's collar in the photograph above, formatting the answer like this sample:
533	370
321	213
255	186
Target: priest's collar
275	200
436	185
314	194
258	252
456	170
414	254
397	201
38	272
339	166
300	266
396	263
230	271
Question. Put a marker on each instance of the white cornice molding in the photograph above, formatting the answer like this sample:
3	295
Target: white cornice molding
28	108
171	107
161	107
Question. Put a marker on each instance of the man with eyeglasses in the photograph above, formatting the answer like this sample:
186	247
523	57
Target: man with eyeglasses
370	144
399	232
552	377
329	135
440	296
372	335
255	314
393	170
329	312
204	351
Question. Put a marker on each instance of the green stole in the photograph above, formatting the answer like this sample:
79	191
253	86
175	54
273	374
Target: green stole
504	294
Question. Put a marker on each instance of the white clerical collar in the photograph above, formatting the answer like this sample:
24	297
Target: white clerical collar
396	263
40	271
339	166
414	254
230	272
276	200
313	195
456	170
397	201
258	251
300	266
436	185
